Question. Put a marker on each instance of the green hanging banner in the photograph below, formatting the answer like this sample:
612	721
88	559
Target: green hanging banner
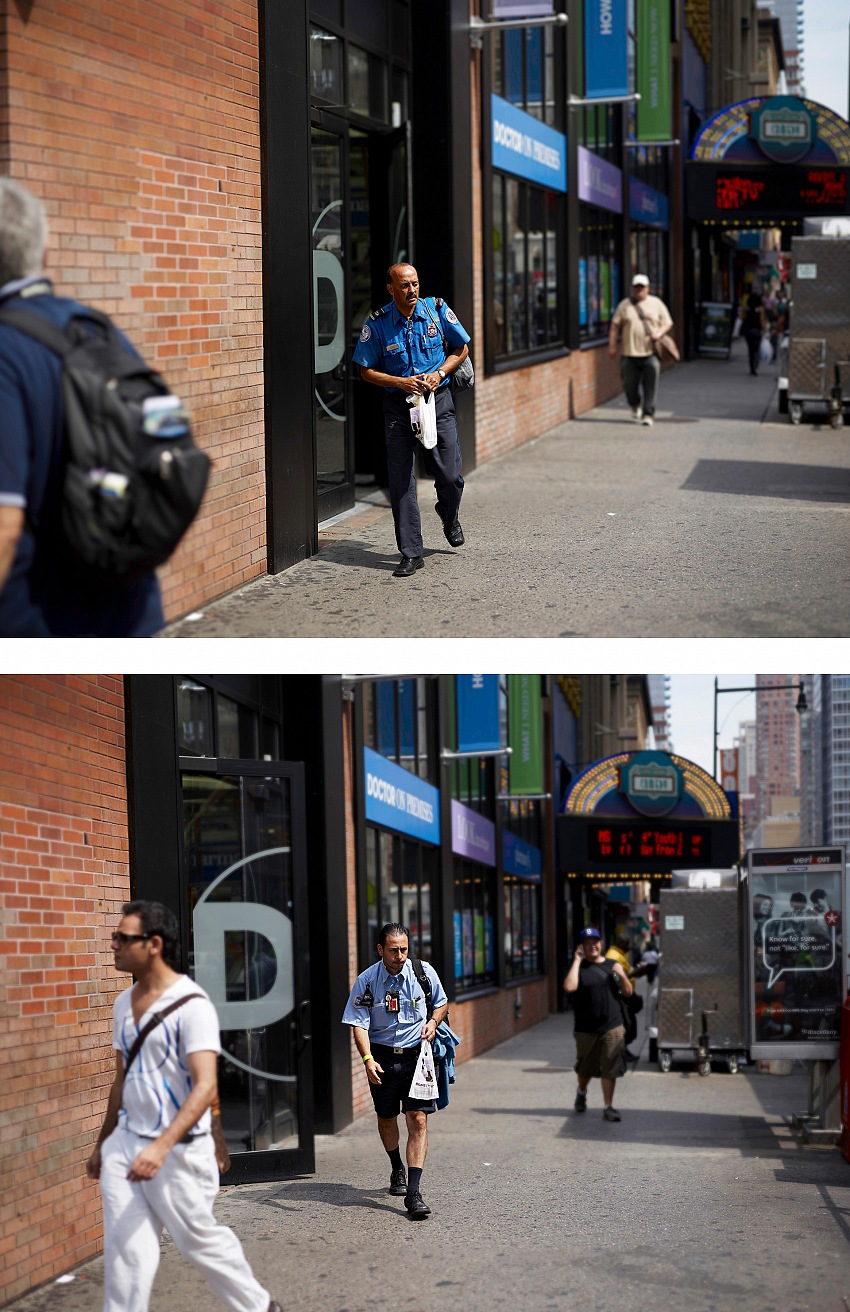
654	115
525	730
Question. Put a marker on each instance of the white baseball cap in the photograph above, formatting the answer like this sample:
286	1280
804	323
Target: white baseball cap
640	280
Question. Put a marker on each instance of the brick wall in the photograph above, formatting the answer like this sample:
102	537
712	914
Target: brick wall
63	877
138	126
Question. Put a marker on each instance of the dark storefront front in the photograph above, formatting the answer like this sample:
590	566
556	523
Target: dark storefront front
379	142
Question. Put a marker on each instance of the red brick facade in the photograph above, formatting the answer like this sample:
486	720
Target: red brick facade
138	126
63	877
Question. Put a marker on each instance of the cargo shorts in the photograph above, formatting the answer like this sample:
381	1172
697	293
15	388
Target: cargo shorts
601	1056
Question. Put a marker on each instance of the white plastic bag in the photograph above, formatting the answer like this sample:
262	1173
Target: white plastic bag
424	1083
765	350
423	420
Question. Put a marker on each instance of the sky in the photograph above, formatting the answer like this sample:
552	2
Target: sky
692	713
825	46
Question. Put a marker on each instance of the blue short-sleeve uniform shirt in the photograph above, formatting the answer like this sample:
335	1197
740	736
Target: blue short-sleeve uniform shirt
403	347
401	1029
42	596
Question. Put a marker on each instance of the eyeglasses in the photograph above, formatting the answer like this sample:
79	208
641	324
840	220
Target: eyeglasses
118	937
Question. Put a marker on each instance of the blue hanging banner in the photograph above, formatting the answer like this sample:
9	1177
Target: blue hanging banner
606	64
400	800
477	712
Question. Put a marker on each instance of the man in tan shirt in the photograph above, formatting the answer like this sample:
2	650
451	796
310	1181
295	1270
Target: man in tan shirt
638	323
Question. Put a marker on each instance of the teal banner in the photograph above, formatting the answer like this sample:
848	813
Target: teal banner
654	109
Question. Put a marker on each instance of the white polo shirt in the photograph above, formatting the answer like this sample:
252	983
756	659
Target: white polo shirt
159	1082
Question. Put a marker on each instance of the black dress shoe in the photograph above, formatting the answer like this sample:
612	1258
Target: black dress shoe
398	1182
454	534
406	566
416	1207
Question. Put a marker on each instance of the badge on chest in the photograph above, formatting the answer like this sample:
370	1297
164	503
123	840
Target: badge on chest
391	1001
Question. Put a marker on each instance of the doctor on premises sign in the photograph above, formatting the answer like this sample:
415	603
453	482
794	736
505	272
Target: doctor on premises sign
400	800
524	146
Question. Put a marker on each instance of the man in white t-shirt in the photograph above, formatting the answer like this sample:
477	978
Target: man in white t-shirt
638	323
155	1156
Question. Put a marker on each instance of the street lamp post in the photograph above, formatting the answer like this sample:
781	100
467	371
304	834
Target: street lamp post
800	706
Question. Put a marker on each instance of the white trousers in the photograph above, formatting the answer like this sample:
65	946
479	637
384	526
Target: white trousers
180	1197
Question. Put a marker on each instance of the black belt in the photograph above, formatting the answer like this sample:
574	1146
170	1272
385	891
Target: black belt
387	1048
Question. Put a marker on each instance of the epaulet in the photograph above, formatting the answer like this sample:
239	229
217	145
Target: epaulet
438	301
376	314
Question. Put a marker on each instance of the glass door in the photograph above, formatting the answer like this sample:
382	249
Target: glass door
328	217
245	882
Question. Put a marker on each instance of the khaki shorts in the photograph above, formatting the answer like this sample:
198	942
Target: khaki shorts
601	1056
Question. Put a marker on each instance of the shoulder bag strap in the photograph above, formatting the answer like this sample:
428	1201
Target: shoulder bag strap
419	972
155	1020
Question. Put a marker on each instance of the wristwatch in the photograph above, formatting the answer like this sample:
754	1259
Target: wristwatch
442	373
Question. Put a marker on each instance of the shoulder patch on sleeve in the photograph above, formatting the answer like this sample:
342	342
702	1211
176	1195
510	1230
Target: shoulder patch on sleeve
450	315
365	333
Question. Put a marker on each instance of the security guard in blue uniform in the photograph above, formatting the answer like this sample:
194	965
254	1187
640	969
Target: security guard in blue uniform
387	1011
412	346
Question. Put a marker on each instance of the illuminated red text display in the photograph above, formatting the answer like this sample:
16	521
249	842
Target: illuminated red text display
648	842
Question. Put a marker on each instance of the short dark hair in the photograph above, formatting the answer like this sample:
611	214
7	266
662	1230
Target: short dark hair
156	918
821	894
393	927
622	942
799	897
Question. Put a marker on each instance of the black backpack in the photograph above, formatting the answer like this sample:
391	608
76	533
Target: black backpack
133	479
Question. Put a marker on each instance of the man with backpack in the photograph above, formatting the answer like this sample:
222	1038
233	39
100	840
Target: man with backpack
99	477
155	1156
393	1006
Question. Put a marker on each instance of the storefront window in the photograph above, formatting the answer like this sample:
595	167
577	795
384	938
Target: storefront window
325	65
367	83
396	715
522	927
194	718
649	255
474	925
399	882
524	71
598	270
237	730
525	267
598	130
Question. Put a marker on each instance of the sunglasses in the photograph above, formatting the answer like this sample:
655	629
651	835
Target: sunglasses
118	937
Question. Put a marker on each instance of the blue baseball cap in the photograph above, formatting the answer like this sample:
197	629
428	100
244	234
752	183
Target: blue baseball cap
590	932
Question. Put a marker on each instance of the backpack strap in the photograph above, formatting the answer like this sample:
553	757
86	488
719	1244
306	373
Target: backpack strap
36	325
419	972
155	1020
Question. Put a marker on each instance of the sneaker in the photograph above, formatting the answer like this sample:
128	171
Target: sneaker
637	414
275	1307
647	421
580	1103
398	1182
611	1114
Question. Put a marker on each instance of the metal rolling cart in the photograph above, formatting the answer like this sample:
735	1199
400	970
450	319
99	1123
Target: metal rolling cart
700	999
819	338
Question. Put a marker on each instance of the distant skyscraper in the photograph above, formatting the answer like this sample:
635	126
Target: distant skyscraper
777	740
790	15
659	696
825	813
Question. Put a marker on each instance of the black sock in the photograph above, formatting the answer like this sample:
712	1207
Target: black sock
414	1179
395	1157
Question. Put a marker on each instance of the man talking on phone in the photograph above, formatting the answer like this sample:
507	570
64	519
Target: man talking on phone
599	1030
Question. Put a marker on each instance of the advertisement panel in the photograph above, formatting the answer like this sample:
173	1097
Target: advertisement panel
606	67
599	183
527	148
400	800
473	835
653	70
521	8
795	903
525	723
520	858
477	712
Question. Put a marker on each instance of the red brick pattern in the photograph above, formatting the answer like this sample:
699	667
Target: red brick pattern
63	877
139	128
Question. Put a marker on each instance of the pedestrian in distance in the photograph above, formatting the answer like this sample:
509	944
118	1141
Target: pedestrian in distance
649	960
639	323
155	1157
411	347
387	1010
600	1034
41	592
753	327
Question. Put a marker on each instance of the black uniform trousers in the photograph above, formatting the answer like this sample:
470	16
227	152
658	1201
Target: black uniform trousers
442	463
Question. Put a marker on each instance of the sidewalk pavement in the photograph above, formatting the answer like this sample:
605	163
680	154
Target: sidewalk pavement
701	1199
723	520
